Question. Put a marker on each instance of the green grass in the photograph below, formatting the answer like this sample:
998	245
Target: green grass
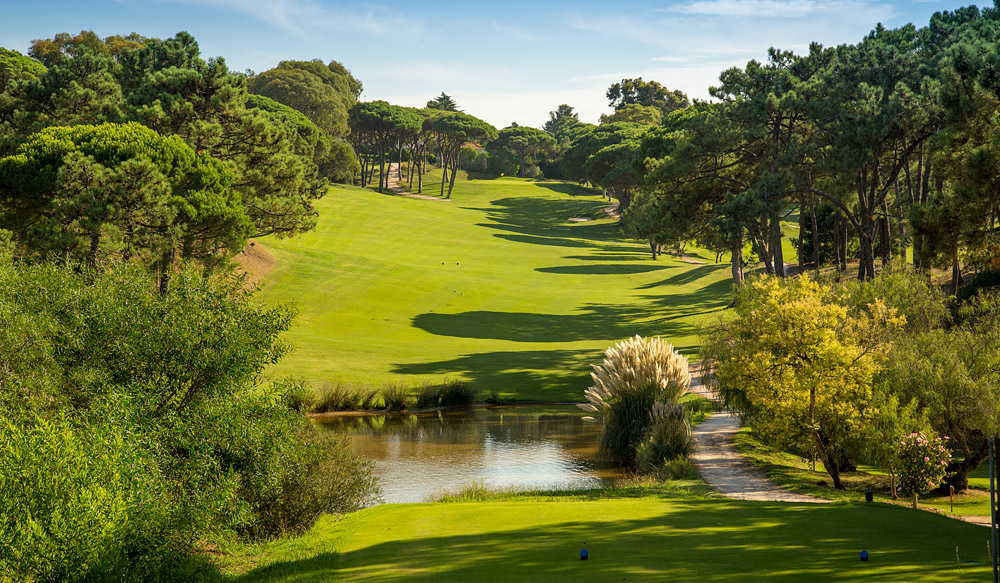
497	288
643	539
797	474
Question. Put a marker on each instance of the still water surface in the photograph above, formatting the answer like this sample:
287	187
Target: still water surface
420	456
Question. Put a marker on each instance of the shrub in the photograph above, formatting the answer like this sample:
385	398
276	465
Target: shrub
457	394
312	472
635	374
296	394
678	469
167	444
668	438
395	397
922	463
338	397
82	503
428	396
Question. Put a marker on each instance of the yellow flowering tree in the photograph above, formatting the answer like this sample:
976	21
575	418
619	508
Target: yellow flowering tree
799	366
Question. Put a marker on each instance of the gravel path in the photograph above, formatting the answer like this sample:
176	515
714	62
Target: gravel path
393	184
721	466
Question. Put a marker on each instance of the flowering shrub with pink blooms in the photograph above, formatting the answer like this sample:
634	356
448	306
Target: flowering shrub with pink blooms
922	462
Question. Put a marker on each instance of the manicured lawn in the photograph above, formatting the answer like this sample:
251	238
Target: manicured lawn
497	287
646	539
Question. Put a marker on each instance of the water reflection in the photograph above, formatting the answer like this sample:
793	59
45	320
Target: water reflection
420	456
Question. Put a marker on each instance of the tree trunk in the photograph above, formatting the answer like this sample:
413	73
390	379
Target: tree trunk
444	173
886	233
420	175
383	178
777	248
95	243
454	172
802	232
762	254
956	269
815	231
958	473
836	240
736	248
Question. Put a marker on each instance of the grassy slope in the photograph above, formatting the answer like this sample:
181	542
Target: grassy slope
496	287
645	539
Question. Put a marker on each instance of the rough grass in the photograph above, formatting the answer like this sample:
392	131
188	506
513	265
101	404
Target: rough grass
797	474
496	288
649	538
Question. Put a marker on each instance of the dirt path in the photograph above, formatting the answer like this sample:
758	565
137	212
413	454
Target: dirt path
721	466
393	183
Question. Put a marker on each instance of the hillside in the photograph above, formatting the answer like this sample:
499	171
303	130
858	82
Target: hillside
497	287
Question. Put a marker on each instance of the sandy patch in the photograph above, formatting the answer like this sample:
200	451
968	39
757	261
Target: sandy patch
255	261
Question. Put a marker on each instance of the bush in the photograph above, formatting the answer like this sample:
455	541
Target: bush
167	444
922	463
669	437
678	469
395	397
310	472
636	374
457	394
296	394
82	503
428	396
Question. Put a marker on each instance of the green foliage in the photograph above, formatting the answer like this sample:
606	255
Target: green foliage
669	437
130	415
922	463
165	85
322	92
442	102
527	144
82	191
78	503
16	67
396	397
645	93
649	115
800	367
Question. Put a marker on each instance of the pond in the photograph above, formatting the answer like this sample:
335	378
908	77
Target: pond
420	456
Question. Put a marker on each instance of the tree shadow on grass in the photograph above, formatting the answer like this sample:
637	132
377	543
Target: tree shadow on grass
602	269
539	375
713	541
612	256
572	189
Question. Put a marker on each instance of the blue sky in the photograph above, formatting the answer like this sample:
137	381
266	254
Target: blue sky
512	61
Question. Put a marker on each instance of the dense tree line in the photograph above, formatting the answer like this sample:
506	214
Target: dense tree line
879	147
272	161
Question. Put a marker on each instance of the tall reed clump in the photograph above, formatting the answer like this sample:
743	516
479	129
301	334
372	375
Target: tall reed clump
636	392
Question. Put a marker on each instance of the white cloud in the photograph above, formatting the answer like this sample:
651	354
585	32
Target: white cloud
772	8
749	8
314	16
511	32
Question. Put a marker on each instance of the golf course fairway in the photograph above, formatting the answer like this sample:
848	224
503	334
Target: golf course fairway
496	287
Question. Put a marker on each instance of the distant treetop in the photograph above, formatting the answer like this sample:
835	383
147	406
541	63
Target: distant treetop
443	102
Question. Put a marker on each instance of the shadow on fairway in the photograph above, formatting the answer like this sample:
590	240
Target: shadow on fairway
611	256
602	269
571	189
551	375
711	541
